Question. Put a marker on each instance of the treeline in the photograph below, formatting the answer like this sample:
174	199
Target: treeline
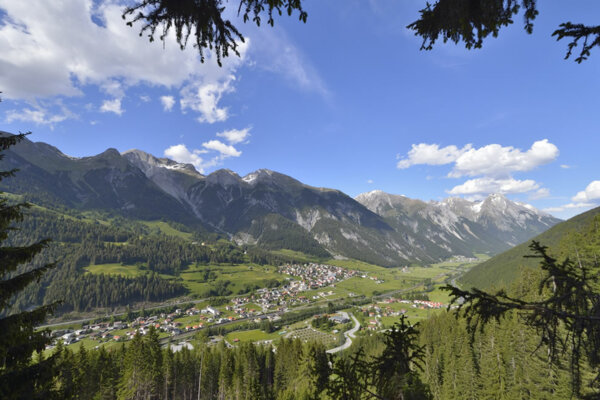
78	242
142	370
292	370
40	225
88	291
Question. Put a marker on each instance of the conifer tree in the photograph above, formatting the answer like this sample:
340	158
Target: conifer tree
19	376
395	371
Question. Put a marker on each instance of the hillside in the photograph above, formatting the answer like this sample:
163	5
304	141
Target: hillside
503	269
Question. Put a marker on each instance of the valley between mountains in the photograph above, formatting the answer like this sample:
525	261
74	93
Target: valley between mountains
272	210
252	258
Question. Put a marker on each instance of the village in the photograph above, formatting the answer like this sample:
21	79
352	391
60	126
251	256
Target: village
262	304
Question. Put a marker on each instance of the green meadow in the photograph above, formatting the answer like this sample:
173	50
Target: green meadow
253	335
129	271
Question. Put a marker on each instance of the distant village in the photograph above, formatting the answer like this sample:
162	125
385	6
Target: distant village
253	307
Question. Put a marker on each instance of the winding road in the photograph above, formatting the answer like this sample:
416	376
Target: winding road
348	334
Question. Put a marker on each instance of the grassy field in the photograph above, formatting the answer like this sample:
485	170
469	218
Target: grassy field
238	275
115	269
167	229
355	264
296	255
438	295
253	335
368	287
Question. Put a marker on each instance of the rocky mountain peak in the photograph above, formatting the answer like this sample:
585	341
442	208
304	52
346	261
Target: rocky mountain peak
223	177
258	175
109	153
272	208
146	161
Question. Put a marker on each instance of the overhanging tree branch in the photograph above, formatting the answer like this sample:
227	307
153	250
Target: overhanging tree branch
204	20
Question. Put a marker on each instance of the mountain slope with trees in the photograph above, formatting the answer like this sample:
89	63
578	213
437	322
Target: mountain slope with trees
502	270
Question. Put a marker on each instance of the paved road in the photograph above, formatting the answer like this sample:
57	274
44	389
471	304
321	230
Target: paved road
349	336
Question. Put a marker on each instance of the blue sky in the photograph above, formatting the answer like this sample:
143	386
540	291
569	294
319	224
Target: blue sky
346	100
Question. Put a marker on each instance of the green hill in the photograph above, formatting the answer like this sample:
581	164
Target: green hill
503	269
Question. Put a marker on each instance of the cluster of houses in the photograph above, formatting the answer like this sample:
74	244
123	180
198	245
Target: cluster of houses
99	331
422	304
375	311
315	276
312	276
254	306
107	331
269	300
427	304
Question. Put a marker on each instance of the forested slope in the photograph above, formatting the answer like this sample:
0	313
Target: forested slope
503	269
155	259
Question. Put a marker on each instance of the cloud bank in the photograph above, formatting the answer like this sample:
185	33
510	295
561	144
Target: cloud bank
492	166
56	49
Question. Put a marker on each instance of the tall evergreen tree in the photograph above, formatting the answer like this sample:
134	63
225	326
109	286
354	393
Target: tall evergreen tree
395	371
19	377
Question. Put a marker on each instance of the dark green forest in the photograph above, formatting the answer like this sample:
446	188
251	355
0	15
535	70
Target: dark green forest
505	359
439	358
78	242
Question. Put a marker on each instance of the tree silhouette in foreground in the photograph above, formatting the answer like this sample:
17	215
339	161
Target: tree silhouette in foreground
471	21
20	378
466	21
567	318
391	376
204	19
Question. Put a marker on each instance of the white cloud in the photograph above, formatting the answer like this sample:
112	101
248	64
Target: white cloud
539	194
113	106
113	88
431	154
490	160
205	98
44	59
181	154
235	136
591	193
493	165
145	98
565	166
220	151
587	198
222	148
38	116
168	102
370	181
500	161
492	185
568	207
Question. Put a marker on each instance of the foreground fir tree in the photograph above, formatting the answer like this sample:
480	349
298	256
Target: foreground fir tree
565	315
20	378
393	375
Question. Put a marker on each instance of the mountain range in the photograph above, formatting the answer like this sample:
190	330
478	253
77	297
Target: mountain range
271	209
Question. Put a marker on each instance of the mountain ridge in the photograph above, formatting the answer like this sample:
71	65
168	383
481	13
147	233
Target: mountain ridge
265	207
